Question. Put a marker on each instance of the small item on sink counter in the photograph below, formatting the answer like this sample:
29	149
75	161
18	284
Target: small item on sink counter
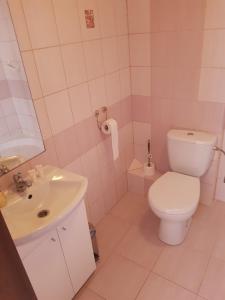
39	171
3	199
32	175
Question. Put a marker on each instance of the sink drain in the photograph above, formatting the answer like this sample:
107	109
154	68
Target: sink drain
43	213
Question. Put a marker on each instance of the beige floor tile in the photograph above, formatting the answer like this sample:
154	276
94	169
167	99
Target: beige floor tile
131	208
110	231
201	237
142	246
183	266
157	288
87	295
118	279
213	286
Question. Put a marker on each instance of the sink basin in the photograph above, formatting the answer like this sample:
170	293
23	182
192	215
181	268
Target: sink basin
44	205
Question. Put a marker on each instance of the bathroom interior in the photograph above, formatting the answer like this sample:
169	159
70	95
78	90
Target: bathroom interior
112	114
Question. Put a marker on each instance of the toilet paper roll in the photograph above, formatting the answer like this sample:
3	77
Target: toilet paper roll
110	127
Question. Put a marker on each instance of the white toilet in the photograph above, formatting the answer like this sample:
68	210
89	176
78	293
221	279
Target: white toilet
174	197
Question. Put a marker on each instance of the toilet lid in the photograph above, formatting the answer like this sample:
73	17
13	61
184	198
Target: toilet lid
174	193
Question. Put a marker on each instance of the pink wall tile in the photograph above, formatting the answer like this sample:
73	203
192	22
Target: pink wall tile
66	146
59	111
125	84
94	59
32	74
139	16
110	55
74	64
214	17
19	21
120	7
67	20
107	18
140	81
98	93
50	69
123	51
141	108
44	33
86	33
80	102
140	50
112	82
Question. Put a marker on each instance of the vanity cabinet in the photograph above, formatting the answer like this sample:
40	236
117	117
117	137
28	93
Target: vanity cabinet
60	262
47	270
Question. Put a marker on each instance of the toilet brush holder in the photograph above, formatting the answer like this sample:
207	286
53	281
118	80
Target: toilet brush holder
149	170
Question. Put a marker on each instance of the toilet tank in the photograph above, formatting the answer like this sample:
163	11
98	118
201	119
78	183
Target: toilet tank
190	152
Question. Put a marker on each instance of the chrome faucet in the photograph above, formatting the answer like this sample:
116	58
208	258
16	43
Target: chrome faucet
3	169
20	183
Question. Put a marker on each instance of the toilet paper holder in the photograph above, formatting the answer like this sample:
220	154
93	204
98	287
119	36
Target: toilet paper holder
101	116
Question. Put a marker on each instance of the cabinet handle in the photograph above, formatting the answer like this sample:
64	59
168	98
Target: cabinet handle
52	239
64	228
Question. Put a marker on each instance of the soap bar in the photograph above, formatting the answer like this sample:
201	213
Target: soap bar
2	200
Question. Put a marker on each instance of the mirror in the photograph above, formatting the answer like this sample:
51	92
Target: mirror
20	136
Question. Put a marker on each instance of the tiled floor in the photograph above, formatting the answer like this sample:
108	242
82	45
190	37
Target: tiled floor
136	265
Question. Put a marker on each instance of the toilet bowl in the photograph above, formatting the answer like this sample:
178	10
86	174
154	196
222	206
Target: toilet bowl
174	199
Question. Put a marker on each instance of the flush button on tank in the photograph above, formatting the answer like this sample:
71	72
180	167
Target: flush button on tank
190	133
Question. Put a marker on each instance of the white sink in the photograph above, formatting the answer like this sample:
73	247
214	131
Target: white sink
46	203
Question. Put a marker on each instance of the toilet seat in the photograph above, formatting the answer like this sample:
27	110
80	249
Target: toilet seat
174	193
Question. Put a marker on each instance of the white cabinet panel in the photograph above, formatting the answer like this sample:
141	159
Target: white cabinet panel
47	270
76	244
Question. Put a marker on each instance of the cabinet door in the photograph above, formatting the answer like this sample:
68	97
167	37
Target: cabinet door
47	270
76	244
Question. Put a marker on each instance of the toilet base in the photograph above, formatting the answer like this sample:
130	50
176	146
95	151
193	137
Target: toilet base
172	232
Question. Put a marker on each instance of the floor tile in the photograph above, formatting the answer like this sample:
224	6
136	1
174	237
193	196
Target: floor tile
110	231
201	237
118	279
183	266
157	288
87	295
142	246
219	249
131	208
213	286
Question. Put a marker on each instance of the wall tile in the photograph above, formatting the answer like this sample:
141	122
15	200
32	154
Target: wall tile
120	7
142	132
107	18
213	49
44	33
50	69
140	54
66	146
59	111
19	22
97	93
80	102
67	19
94	59
139	16
112	88
123	51
89	33
32	74
74	64
214	17
211	85
110	55
141	81
43	119
125	85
